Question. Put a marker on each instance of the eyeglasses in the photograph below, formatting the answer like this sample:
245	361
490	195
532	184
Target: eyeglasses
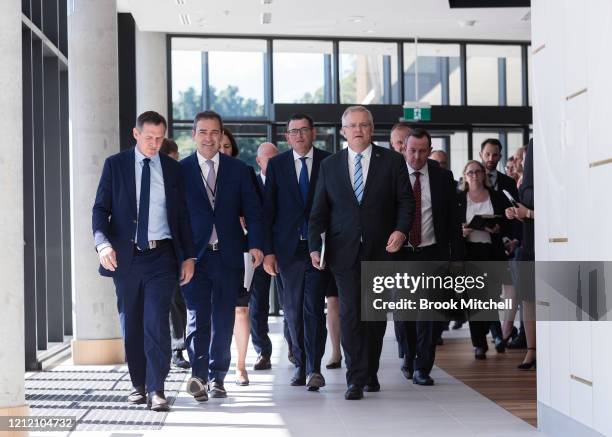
473	173
354	126
296	132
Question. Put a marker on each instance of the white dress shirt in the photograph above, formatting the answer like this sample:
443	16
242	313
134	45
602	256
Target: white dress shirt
428	236
205	168
365	164
298	163
263	178
478	208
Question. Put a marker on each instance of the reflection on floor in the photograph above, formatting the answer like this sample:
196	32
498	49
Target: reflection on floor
270	407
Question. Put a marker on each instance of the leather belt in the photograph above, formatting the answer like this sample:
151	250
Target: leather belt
154	244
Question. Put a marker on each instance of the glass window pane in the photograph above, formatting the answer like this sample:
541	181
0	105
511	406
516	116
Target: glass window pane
232	91
439	73
485	65
300	71
368	73
248	137
186	83
458	152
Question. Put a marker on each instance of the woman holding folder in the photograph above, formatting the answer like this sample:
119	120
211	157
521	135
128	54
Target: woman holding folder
483	212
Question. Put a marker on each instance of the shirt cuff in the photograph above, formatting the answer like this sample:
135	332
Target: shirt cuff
102	246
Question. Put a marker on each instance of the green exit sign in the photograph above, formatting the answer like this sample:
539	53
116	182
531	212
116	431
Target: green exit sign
421	113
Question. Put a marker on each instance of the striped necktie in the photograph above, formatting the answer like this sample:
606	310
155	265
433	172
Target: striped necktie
358	180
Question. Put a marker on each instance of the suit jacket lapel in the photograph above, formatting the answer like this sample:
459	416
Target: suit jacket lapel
293	182
199	181
129	175
372	171
314	174
345	176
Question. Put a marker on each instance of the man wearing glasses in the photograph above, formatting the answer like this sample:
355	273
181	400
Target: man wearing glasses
364	203
219	190
289	190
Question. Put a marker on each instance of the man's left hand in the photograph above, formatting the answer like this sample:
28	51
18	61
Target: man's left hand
396	239
187	269
257	256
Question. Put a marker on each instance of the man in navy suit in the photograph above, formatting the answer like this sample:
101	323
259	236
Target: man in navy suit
144	240
259	303
219	190
291	179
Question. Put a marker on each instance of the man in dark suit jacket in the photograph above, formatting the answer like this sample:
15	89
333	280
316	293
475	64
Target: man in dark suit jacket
143	238
490	155
435	236
219	191
291	180
364	204
259	303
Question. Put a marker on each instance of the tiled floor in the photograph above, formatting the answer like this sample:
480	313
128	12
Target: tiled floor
270	407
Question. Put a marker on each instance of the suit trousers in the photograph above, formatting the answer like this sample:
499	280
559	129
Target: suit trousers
143	300
362	341
178	319
259	308
278	284
304	307
211	304
420	336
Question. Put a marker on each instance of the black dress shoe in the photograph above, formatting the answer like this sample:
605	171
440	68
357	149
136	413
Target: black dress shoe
480	353
518	342
353	393
500	345
157	402
315	381
198	388
372	385
334	364
439	341
262	363
179	361
138	396
299	378
217	390
527	366
422	378
407	372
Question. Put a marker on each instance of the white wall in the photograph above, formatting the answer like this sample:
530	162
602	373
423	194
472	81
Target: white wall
572	92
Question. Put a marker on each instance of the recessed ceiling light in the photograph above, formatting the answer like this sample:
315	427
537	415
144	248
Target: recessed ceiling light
370	31
180	2
467	23
266	18
185	19
266	2
356	19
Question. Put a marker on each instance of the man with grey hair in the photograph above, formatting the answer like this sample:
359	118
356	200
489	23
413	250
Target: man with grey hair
367	217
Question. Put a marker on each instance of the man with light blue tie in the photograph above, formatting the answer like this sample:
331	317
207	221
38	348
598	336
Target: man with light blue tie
143	238
219	191
289	190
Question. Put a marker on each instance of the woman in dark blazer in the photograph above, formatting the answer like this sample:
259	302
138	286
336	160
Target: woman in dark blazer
476	197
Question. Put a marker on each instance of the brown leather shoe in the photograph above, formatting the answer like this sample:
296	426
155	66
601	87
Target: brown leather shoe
157	402
138	396
262	363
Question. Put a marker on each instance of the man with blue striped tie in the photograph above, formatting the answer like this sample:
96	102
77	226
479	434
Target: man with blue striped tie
364	203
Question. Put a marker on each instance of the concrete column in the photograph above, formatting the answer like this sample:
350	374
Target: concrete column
151	78
94	115
12	362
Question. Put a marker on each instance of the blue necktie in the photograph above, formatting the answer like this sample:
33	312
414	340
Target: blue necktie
142	236
304	187
358	180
